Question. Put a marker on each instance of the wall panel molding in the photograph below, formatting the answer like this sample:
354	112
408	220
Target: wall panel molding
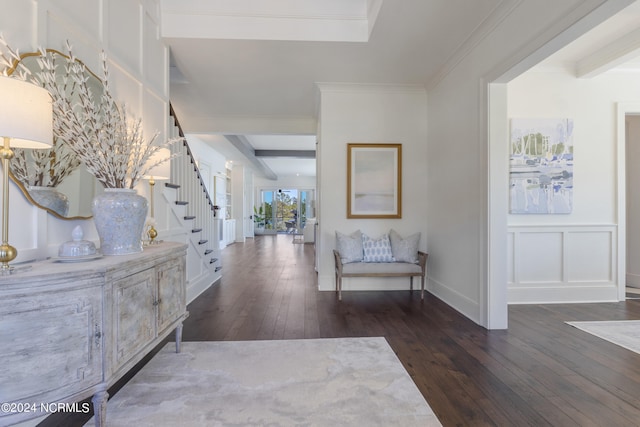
563	263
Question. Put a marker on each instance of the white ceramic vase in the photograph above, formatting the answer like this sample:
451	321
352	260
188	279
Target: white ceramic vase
119	215
50	198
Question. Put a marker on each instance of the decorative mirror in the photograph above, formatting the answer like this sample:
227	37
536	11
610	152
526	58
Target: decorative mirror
54	179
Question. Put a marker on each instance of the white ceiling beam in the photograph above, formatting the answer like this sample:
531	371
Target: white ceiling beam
299	154
242	145
295	20
614	54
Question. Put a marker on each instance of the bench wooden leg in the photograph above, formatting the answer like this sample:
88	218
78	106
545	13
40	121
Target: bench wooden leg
411	282
422	289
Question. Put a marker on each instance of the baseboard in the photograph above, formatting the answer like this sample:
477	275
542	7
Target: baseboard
194	289
455	300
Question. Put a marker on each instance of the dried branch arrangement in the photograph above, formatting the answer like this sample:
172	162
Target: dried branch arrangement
94	127
44	168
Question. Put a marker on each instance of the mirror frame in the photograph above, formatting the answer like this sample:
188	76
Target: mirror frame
15	180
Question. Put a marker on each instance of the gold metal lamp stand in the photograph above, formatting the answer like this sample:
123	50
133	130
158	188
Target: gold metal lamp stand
152	233
7	252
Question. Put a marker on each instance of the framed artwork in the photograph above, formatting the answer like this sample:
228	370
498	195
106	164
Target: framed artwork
374	180
541	166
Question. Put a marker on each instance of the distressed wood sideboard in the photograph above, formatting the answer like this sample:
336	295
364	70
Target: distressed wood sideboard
71	330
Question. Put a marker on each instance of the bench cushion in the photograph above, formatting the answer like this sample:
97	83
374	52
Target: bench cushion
381	268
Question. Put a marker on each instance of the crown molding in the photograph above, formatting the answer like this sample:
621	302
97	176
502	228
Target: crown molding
493	21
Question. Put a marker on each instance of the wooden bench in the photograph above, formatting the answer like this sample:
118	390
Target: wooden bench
380	269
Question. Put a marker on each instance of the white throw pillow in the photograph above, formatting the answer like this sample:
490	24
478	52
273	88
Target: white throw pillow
349	247
377	250
404	250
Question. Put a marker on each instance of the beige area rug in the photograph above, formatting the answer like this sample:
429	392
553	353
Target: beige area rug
318	382
625	333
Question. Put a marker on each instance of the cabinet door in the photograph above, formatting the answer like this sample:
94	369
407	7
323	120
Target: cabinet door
51	346
134	302
171	292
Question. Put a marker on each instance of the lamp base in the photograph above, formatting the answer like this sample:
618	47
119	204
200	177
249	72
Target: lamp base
7	254
152	233
6	269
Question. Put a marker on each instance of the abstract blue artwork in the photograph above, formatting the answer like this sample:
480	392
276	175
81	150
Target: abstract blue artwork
541	166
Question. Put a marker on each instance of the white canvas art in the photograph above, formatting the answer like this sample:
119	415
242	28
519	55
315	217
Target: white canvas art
374	177
541	166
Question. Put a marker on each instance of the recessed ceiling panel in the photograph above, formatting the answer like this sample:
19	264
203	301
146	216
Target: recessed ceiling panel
299	20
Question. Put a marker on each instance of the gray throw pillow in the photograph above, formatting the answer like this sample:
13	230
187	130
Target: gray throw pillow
349	247
404	250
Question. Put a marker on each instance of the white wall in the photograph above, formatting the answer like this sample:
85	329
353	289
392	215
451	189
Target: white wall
371	114
573	257
128	31
467	242
247	203
211	162
240	209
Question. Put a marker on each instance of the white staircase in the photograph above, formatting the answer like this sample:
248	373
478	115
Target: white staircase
192	218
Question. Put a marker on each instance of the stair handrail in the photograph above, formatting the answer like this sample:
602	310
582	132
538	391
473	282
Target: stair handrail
172	113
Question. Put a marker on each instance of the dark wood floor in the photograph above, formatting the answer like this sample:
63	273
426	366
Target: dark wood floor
539	372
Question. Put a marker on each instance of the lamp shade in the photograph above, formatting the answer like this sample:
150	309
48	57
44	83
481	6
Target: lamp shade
26	114
156	177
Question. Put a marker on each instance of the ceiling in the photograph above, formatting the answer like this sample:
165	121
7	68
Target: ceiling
250	71
613	46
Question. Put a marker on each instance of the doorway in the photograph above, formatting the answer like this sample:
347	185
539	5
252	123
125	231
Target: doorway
284	210
632	176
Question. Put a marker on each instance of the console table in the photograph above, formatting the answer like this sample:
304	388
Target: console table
71	330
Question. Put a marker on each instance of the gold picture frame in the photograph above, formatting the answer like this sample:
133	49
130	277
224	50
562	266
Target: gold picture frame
374	180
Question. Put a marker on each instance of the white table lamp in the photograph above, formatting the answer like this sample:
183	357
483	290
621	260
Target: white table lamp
26	121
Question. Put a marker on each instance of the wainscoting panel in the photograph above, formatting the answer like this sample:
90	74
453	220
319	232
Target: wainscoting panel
539	257
549	264
591	256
